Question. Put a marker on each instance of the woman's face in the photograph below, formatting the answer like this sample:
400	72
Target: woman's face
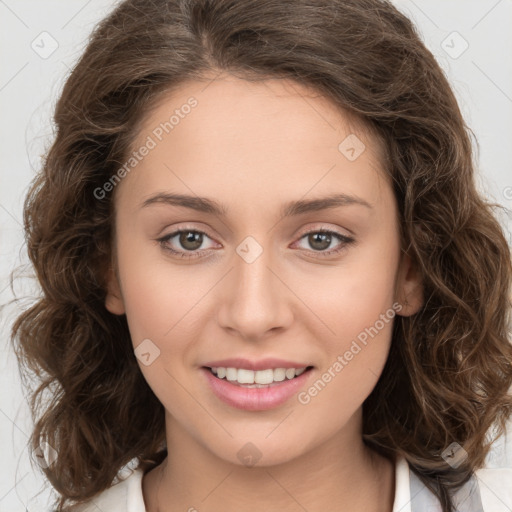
257	280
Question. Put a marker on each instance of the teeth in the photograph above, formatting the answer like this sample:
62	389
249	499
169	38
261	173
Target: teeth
290	373
269	376
231	373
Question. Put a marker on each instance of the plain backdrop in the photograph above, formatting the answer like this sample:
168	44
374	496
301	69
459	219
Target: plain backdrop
41	40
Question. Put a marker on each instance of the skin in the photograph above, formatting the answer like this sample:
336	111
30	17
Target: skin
253	147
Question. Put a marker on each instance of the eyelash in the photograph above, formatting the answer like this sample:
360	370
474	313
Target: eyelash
345	241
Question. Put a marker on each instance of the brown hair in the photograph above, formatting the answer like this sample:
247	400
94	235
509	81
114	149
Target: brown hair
449	368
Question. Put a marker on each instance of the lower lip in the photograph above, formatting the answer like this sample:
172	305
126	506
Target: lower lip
255	399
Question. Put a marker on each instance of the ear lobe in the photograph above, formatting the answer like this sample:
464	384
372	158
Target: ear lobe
409	287
114	299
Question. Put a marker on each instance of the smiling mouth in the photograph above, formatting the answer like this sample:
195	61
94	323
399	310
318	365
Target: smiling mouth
259	378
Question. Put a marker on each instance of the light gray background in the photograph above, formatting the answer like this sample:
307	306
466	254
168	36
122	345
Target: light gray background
30	81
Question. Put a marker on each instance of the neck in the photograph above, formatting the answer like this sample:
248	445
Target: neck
341	470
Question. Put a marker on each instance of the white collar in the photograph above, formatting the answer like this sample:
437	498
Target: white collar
489	490
402	501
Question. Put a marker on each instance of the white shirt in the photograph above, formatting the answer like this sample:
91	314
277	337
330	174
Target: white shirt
489	490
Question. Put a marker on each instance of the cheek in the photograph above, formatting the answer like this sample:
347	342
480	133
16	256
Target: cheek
352	296
159	296
357	313
160	302
354	356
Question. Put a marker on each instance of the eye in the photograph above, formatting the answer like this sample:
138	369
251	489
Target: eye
186	243
321	239
189	239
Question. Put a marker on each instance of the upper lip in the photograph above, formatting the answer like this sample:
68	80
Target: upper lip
262	364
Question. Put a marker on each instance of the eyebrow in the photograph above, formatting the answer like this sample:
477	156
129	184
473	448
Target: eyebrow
292	208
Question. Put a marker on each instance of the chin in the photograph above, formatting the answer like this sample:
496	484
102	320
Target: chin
257	451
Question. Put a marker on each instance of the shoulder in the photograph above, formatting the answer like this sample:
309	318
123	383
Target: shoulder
495	478
125	494
488	490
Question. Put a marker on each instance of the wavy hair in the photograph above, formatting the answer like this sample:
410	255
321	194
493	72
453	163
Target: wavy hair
449	371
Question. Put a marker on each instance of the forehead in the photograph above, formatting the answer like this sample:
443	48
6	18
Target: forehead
254	138
230	102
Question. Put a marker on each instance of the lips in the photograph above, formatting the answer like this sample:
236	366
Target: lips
252	398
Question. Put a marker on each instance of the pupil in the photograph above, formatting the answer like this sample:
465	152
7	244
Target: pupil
325	240
190	237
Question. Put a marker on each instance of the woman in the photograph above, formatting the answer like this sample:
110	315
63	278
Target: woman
269	281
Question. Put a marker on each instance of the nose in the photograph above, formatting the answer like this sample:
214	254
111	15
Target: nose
255	300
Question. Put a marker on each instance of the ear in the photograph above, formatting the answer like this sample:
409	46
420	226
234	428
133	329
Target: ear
114	299
409	286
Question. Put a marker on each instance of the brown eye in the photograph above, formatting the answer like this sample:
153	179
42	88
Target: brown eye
319	241
190	240
185	243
